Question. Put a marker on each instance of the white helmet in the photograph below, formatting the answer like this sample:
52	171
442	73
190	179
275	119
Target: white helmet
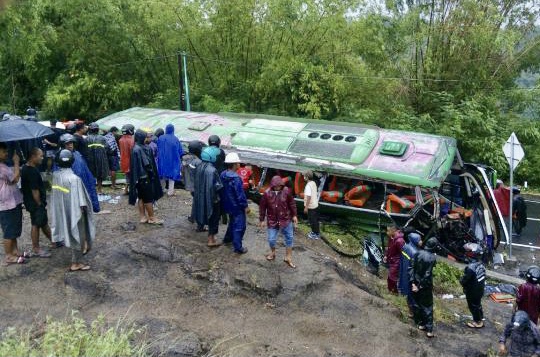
232	158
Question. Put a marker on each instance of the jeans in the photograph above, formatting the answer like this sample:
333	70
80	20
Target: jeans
236	230
288	235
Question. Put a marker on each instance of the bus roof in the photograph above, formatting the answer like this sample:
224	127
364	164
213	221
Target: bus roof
353	150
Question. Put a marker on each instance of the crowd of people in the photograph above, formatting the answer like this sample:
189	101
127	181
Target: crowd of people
81	157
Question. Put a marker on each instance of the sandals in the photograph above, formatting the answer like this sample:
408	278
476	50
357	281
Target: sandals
41	254
473	324
430	334
289	263
81	267
157	222
271	257
213	245
19	260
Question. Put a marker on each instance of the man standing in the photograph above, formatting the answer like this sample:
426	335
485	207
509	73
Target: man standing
278	207
519	208
50	144
421	279
125	144
169	155
206	205
528	294
408	251
234	203
393	256
10	207
73	221
144	183
189	164
114	154
311	205
98	155
35	200
80	144
473	282
79	167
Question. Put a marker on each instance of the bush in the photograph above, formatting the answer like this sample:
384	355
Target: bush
72	338
446	279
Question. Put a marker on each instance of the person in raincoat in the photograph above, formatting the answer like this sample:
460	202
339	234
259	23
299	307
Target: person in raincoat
408	251
234	203
421	279
72	220
277	206
473	282
114	154
125	145
79	167
206	201
169	155
522	337
519	208
98	155
528	294
393	256
144	182
189	164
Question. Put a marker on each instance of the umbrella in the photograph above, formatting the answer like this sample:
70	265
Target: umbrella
14	128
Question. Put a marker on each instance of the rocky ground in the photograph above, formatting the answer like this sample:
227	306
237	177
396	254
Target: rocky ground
196	301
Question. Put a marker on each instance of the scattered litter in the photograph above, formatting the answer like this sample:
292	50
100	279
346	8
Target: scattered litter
498	258
269	305
462	296
339	242
103	198
448	296
128	226
113	201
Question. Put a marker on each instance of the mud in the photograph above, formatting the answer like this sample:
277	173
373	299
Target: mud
197	301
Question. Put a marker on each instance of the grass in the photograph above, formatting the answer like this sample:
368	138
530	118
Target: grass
73	338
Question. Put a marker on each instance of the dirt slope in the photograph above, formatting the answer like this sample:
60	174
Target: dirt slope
200	302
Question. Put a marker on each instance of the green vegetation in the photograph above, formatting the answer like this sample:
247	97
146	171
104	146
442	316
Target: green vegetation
72	338
466	68
446	279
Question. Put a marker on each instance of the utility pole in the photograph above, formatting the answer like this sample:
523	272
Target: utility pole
186	83
181	103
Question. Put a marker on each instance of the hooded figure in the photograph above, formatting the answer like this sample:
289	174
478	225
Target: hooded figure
125	145
522	335
72	220
519	208
98	155
421	279
144	183
473	282
79	167
189	164
393	256
408	251
207	184
169	156
278	207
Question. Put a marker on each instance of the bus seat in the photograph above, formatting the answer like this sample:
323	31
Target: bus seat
357	196
396	204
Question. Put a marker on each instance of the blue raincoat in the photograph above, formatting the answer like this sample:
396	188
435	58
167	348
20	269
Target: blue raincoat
407	253
80	168
234	202
169	155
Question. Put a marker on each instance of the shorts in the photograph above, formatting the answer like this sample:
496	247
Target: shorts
38	217
50	153
114	163
145	191
11	222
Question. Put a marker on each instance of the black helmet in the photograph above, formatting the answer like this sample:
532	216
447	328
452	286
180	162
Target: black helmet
64	158
195	147
533	274
214	140
158	132
140	136
128	129
516	190
66	138
31	112
431	245
520	319
93	128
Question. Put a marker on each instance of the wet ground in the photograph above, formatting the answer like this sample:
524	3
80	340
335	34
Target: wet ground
197	301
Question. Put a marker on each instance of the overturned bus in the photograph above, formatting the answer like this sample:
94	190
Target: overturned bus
374	176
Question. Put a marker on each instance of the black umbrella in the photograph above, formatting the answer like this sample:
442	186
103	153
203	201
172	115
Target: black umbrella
14	128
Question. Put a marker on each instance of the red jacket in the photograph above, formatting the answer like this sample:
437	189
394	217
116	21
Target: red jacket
528	300
125	144
277	206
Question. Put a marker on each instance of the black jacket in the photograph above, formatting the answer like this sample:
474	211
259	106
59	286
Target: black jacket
421	269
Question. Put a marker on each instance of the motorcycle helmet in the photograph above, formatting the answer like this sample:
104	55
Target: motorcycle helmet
64	158
214	140
128	129
533	274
